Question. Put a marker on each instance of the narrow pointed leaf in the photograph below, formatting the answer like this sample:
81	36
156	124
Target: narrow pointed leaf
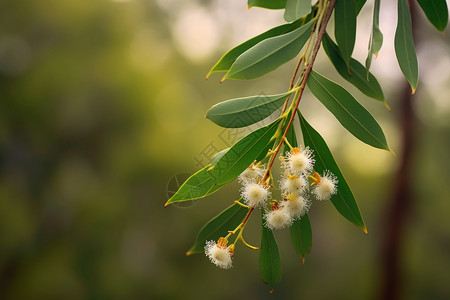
269	257
218	156
198	185
269	4
436	12
230	57
218	227
243	153
245	111
376	37
376	41
295	9
404	46
291	137
263	154
345	27
359	5
358	72
352	115
301	235
269	54
343	200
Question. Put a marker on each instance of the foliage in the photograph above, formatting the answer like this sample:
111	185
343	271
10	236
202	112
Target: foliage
256	152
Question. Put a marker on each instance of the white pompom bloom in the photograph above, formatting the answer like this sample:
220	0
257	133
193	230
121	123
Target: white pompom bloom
252	173
293	183
296	205
324	186
219	253
298	161
278	218
255	194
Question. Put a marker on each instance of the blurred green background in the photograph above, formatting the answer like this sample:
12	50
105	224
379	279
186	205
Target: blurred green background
101	111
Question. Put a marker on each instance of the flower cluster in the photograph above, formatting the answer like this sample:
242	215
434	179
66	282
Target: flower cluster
298	165
296	192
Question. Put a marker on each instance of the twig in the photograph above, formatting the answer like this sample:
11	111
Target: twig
322	29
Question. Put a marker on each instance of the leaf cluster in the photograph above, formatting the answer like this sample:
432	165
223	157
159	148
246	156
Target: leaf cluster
266	52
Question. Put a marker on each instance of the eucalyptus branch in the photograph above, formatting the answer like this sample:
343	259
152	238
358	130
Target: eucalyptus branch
303	179
322	24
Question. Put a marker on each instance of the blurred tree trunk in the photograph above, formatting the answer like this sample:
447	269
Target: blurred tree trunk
401	201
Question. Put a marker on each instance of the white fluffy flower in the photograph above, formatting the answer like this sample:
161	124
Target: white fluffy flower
219	254
255	194
278	218
325	186
293	183
252	173
296	205
298	161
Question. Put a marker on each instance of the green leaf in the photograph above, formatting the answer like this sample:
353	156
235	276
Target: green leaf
404	46
269	257
269	54
343	200
345	27
218	227
358	78
436	12
376	37
291	137
230	57
359	5
243	153
295	9
198	185
352	115
301	235
245	111
218	156
263	154
270	4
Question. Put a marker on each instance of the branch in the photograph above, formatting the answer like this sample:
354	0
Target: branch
323	27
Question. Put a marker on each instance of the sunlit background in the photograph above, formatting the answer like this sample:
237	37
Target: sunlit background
102	109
